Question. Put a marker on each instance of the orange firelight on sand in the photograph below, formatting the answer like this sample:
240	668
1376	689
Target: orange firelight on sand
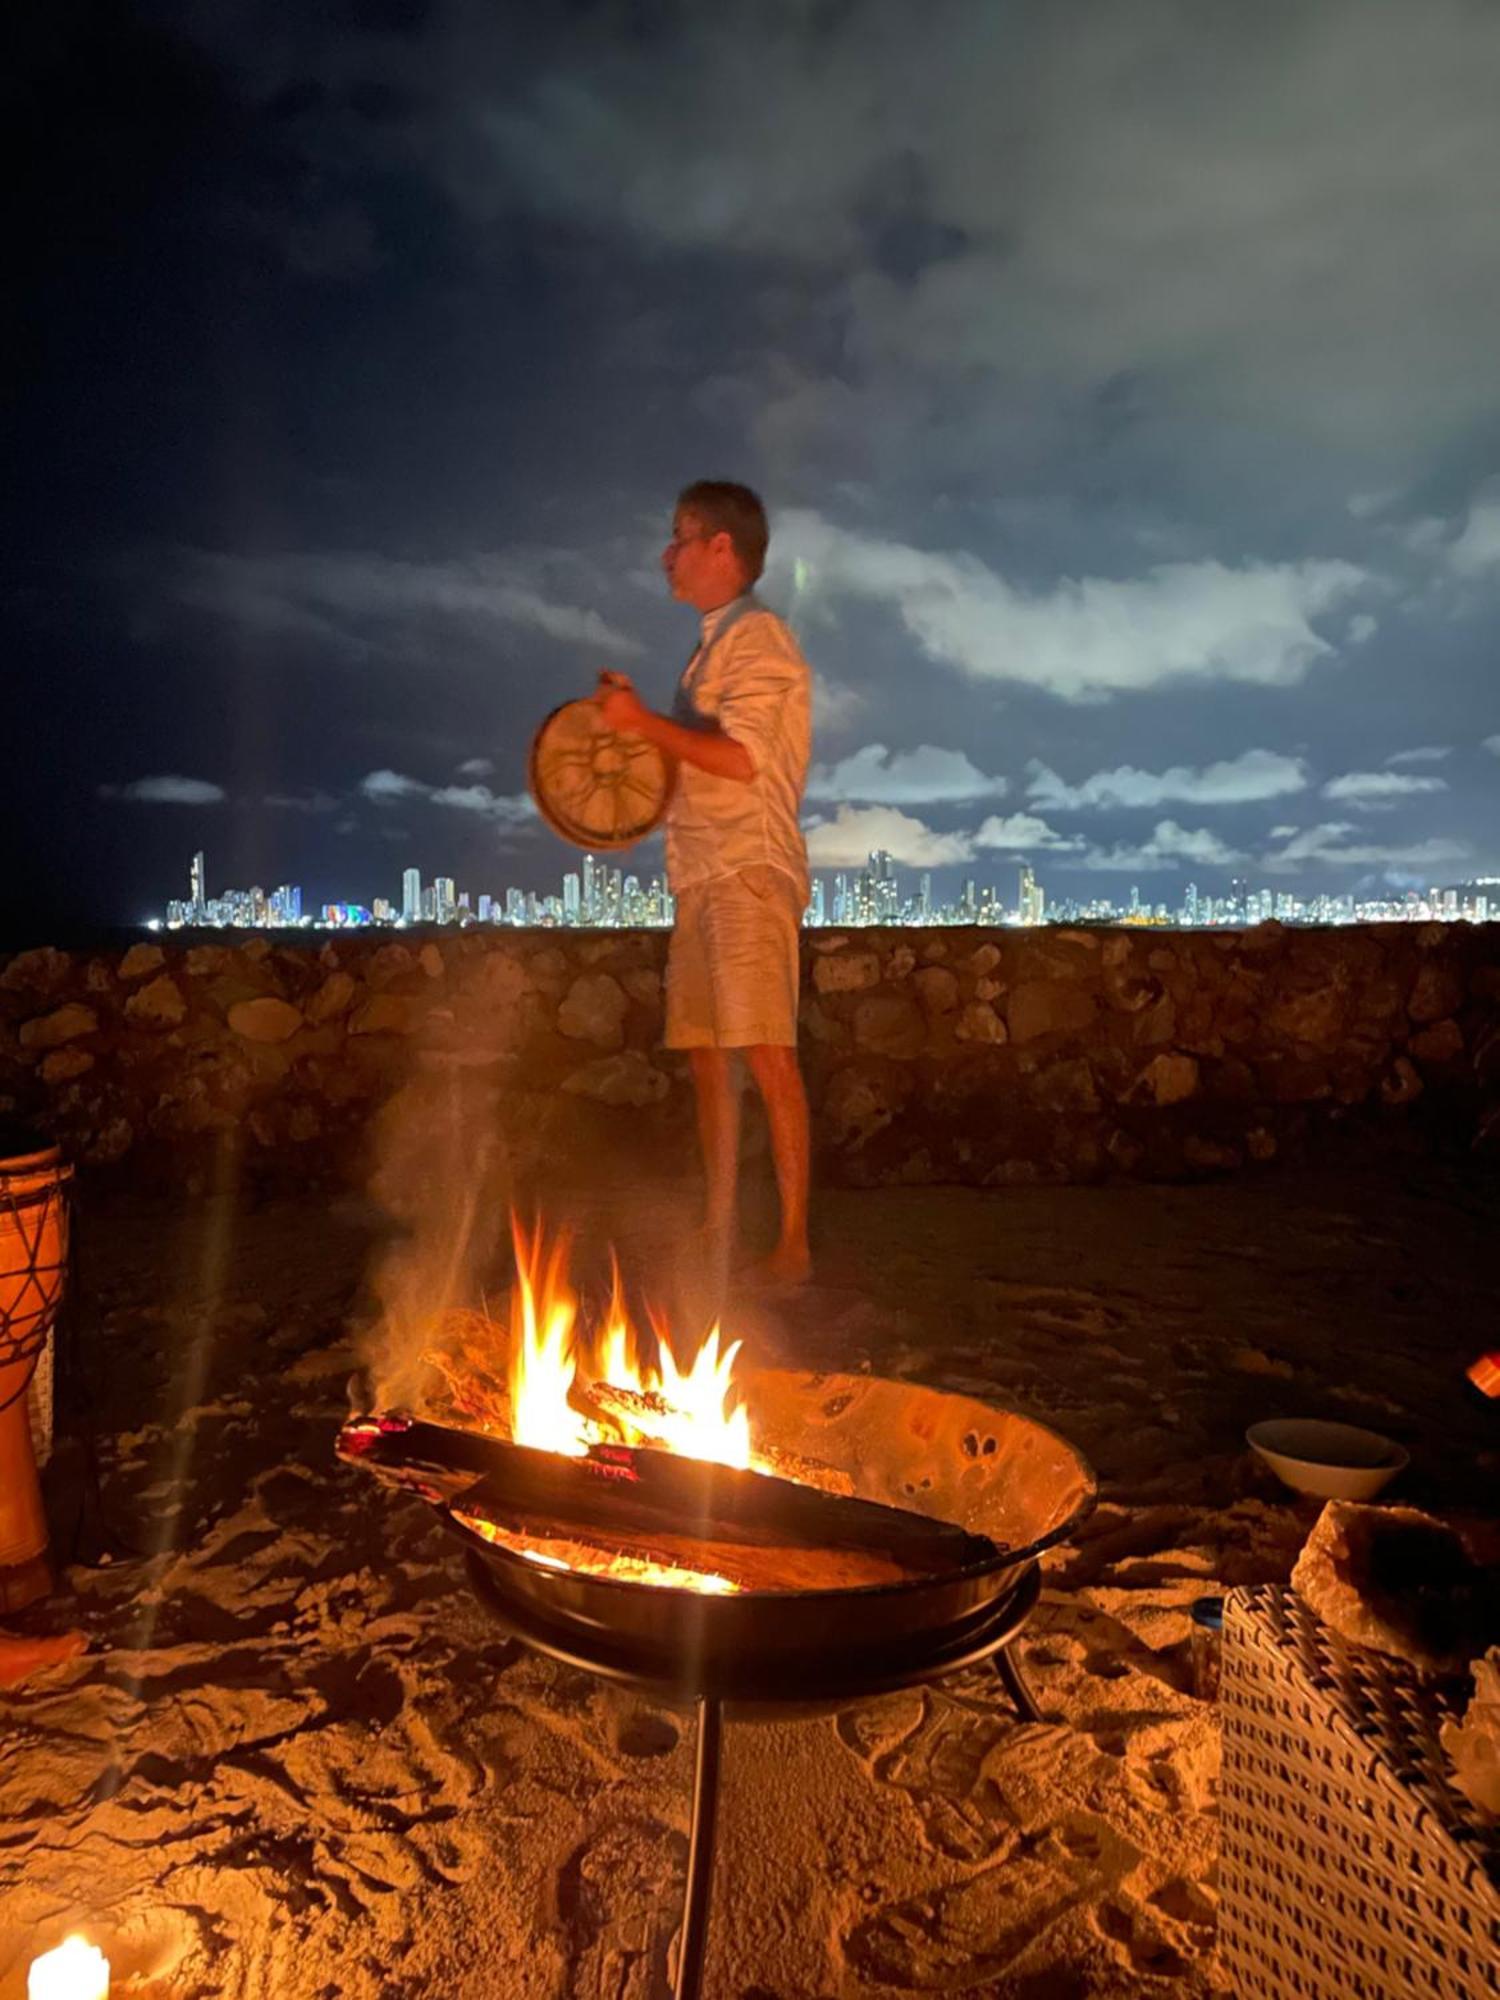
694	1411
76	1970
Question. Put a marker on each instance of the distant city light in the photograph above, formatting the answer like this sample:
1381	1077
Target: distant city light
601	897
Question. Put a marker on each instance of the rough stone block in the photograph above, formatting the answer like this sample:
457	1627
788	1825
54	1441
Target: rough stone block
593	1010
849	972
265	1020
64	1024
157	1005
980	1023
334	997
1443	1042
1437	991
384	1014
1167	1079
40	971
63	1064
1049	1007
140	960
937	989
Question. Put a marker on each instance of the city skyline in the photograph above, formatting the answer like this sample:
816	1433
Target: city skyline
599	894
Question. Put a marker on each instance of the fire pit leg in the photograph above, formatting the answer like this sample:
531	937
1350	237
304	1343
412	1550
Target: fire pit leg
693	1942
1011	1679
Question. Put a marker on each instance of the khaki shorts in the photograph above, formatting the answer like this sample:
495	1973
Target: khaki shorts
733	966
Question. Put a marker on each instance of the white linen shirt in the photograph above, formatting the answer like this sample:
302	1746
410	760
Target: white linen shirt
748	677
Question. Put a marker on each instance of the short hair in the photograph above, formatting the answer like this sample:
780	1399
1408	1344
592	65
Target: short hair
726	508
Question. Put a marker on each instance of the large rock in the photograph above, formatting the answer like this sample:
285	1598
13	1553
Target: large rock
847	972
431	961
503	979
937	989
888	1024
64	1064
980	1023
1066	1086
626	1078
1436	992
1167	1079
140	960
334	997
64	1024
643	983
384	1014
265	1020
110	1143
157	1005
1442	1043
205	961
1403	1085
390	962
1049	1007
1156	1024
40	971
1315	1017
857	1105
593	1010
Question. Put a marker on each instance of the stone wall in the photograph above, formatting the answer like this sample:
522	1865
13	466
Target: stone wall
968	1055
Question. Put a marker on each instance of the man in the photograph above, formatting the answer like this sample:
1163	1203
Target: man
741	734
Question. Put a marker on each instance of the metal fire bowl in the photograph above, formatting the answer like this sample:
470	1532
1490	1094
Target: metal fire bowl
993	1471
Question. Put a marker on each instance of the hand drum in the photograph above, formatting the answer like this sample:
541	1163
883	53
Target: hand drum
592	785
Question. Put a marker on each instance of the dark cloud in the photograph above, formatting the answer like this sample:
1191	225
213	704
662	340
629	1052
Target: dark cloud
1121	380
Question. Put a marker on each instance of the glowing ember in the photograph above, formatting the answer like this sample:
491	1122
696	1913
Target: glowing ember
693	1411
593	1562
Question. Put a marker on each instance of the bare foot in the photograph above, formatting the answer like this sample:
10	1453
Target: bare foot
789	1264
20	1658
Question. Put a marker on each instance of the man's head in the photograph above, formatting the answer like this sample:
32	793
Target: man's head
718	545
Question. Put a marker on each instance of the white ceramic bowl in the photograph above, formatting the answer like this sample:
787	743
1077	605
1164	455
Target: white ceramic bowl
1335	1461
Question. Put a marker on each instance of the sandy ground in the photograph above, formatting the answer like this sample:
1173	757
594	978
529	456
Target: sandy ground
298	1761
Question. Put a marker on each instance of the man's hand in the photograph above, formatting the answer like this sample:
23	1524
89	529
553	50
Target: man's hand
620	705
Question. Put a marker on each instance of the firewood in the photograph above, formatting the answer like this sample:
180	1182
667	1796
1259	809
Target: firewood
787	1535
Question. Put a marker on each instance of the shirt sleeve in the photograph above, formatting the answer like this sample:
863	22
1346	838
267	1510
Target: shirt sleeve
759	686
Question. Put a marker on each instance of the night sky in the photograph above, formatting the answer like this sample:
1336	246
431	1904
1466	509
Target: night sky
1123	381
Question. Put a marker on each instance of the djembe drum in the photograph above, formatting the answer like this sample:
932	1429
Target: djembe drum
597	787
33	1257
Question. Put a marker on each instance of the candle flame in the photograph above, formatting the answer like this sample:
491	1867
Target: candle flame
75	1970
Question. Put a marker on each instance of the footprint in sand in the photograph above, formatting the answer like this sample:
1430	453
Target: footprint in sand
940	1763
619	1898
960	1938
1138	1944
645	1732
1054	1309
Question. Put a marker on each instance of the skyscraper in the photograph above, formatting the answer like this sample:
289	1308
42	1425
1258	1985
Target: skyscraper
411	896
1027	904
198	900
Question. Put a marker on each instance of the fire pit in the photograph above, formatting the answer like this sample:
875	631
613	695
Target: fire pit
849	1537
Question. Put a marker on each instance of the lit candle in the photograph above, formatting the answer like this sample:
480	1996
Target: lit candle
77	1970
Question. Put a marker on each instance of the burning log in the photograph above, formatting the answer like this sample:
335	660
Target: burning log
632	1415
754	1530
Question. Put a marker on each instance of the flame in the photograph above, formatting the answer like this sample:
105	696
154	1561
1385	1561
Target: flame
76	1970
694	1411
